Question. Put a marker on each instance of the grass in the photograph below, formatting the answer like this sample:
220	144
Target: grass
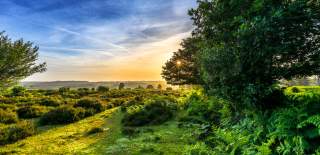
159	139
74	138
68	139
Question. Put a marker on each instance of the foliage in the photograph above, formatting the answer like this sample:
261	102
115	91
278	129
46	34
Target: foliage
50	101
62	115
121	85
247	50
198	149
17	60
187	71
102	89
292	128
90	103
8	116
149	113
95	130
18	91
30	111
150	86
16	132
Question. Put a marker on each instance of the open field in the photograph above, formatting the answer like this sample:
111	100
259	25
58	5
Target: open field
86	84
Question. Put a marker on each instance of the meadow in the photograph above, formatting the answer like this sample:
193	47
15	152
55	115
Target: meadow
153	121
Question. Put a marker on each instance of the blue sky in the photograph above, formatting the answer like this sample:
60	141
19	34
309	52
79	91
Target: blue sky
99	40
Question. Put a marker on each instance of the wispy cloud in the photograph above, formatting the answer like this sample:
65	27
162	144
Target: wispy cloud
100	39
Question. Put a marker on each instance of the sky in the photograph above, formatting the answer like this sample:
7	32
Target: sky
99	40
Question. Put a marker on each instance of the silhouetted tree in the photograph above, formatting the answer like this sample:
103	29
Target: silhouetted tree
17	61
183	68
159	86
121	85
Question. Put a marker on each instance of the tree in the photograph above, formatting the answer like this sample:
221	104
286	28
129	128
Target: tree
150	86
159	86
182	68
250	45
121	85
17	61
102	89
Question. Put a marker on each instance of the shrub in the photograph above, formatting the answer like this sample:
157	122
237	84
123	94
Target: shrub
155	111
16	132
129	131
121	85
62	115
103	89
150	86
18	91
209	109
50	102
90	104
198	149
30	111
8	117
295	90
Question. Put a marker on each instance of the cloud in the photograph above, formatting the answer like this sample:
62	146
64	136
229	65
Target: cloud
100	39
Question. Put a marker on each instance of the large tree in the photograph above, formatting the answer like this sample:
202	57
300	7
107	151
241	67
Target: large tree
17	61
251	44
182	67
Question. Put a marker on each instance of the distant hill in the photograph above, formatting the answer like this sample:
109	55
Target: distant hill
87	84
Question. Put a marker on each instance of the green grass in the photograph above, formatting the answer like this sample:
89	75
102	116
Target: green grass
68	139
160	139
74	139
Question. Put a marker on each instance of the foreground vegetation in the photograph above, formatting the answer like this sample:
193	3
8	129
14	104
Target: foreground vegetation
143	121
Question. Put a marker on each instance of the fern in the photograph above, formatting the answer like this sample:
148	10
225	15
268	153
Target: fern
314	120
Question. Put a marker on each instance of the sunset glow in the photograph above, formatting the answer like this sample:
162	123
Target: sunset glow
99	40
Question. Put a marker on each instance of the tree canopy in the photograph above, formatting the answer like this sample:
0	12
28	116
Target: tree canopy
17	60
249	45
183	68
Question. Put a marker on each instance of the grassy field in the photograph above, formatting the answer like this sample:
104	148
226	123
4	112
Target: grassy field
77	137
74	138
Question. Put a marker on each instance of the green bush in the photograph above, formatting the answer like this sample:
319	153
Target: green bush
30	111
90	104
211	109
8	117
16	132
62	115
50	102
155	111
102	89
18	91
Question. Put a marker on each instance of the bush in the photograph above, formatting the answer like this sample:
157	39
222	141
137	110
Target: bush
62	115
18	91
16	132
30	111
295	90
8	117
90	104
102	89
150	86
50	102
156	111
211	109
